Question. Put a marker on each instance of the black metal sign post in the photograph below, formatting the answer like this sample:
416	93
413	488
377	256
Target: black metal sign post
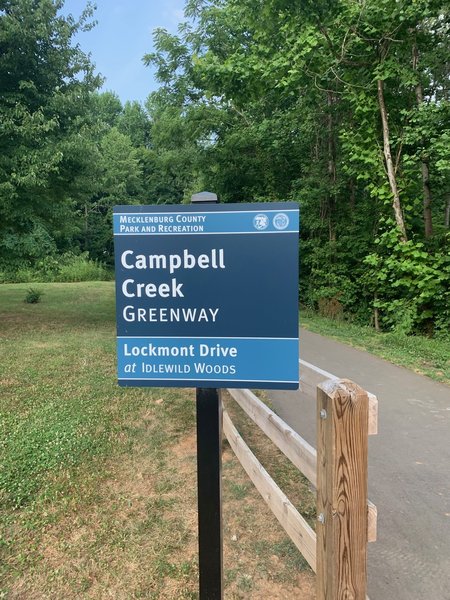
209	485
209	479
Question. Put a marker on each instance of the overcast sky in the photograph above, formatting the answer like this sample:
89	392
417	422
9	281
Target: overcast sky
121	38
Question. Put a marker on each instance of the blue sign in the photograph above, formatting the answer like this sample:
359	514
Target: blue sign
207	295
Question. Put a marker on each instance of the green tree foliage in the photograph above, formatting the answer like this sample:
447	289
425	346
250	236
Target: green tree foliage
342	105
134	122
67	153
114	177
45	87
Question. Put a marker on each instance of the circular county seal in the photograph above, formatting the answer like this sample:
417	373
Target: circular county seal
280	221
260	222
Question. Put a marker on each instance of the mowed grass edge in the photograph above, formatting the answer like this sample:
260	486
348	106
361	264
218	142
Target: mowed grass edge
423	355
98	483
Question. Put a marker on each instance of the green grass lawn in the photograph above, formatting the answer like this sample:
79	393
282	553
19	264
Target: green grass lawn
56	370
423	355
97	482
65	426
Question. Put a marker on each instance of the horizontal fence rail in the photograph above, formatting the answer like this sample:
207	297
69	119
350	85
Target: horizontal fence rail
291	520
338	435
294	447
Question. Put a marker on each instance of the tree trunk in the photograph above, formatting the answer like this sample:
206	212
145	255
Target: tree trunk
390	164
331	168
447	214
427	217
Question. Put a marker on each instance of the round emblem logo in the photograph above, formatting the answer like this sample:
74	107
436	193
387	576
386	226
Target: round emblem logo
260	222
280	221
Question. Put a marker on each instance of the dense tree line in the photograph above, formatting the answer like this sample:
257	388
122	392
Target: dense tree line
341	105
67	152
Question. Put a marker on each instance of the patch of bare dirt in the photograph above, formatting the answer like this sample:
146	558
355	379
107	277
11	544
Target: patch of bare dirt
304	589
9	382
139	538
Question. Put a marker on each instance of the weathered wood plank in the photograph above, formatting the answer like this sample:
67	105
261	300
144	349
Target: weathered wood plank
293	446
373	414
372	518
290	519
342	416
311	376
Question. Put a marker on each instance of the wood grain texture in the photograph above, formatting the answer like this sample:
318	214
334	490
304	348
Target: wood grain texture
342	438
311	376
372	520
290	519
294	447
373	414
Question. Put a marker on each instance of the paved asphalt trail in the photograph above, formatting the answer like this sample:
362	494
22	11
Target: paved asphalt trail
409	467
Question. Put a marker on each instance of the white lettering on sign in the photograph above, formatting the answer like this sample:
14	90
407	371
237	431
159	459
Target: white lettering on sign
217	350
127	219
191	218
131	289
213	260
152	350
214	369
169	315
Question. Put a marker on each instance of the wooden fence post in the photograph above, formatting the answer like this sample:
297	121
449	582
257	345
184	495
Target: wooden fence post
342	435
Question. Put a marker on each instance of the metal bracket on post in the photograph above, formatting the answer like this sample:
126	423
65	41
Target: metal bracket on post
209	478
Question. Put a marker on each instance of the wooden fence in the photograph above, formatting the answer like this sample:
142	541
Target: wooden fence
346	519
